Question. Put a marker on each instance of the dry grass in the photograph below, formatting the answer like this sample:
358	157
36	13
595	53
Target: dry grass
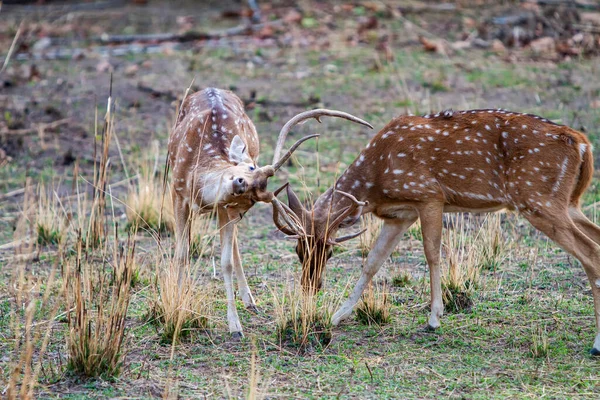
539	342
461	277
97	296
33	315
51	221
202	242
374	307
180	307
402	279
372	224
146	207
493	247
304	320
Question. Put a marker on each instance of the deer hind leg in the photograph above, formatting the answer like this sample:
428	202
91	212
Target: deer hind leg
584	224
227	233
183	218
431	226
388	239
564	232
245	293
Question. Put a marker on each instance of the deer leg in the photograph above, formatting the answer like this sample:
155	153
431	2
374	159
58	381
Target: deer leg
431	227
564	232
388	239
227	233
183	218
584	224
245	293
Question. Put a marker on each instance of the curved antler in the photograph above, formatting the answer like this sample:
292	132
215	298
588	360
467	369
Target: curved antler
347	237
346	211
302	117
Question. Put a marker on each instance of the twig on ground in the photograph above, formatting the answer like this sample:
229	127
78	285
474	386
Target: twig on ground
12	47
36	128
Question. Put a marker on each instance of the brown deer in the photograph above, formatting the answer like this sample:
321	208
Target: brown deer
466	161
213	153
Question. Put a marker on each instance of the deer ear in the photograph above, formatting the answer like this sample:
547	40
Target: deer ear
238	151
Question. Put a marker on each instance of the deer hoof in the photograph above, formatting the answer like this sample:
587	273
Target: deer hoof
252	308
237	336
430	328
595	352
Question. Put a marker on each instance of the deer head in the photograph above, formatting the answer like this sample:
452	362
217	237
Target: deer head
316	229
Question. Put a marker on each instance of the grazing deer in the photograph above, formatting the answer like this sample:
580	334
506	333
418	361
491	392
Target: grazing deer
466	161
213	153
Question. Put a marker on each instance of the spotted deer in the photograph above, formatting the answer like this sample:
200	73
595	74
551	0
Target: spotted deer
420	167
213	154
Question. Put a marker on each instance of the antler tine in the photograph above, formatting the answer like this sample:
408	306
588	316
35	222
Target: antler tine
288	216
276	192
351	197
347	211
348	237
288	154
316	114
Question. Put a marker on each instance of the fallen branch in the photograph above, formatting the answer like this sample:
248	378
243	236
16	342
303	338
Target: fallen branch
36	128
184	37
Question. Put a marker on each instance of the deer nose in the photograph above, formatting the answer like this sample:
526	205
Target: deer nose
239	186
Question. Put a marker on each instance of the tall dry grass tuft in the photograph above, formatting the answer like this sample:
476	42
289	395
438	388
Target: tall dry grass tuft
144	205
51	222
374	307
372	225
203	236
33	317
492	245
461	277
303	320
97	297
180	305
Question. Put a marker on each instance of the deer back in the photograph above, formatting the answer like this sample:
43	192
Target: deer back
475	160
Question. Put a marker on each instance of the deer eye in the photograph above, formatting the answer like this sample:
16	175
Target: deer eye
252	168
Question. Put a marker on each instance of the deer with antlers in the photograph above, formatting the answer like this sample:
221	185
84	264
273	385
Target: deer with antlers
467	161
213	153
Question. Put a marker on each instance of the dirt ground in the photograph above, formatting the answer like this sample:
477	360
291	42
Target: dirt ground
374	59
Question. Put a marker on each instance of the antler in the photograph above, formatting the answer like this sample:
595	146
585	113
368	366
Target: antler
347	237
300	118
346	211
280	210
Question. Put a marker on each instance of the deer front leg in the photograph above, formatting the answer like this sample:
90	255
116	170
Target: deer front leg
245	293
227	233
431	226
388	239
182	215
